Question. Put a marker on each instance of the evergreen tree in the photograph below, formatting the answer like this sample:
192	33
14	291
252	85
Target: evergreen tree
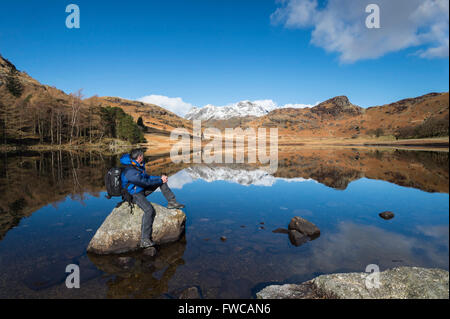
13	84
118	124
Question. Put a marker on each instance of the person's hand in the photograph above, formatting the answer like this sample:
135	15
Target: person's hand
164	179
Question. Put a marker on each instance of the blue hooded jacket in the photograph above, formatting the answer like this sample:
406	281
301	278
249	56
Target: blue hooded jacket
134	174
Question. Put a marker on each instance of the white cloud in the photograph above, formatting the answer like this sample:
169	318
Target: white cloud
173	104
299	106
271	105
339	26
178	180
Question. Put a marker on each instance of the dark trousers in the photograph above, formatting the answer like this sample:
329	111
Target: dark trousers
149	212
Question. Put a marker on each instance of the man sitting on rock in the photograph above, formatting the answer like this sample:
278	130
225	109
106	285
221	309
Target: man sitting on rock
139	185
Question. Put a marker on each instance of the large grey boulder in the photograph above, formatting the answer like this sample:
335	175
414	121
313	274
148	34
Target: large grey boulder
121	231
395	283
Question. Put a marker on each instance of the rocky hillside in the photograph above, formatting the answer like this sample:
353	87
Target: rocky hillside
420	117
337	107
424	116
15	84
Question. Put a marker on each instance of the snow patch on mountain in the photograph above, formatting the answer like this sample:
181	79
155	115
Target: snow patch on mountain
240	109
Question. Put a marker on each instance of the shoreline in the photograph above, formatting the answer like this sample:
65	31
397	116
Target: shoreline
438	144
112	145
435	142
107	145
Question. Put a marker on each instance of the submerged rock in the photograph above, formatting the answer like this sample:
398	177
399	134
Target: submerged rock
305	227
125	262
151	251
387	215
297	238
281	231
121	231
395	283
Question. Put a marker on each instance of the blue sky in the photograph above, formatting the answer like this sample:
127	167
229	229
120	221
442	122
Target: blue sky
217	52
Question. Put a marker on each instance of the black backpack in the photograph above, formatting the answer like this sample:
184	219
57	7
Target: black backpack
113	183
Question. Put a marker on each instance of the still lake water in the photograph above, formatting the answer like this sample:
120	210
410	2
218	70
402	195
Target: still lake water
52	203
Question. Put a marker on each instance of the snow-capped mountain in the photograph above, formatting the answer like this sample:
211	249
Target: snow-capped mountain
240	109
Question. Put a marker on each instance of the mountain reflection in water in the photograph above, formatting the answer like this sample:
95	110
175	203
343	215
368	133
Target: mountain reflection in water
51	204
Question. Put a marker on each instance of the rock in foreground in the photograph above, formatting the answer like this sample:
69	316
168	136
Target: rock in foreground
396	283
121	231
305	227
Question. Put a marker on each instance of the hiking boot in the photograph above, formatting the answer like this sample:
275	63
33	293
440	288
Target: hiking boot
146	243
174	205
